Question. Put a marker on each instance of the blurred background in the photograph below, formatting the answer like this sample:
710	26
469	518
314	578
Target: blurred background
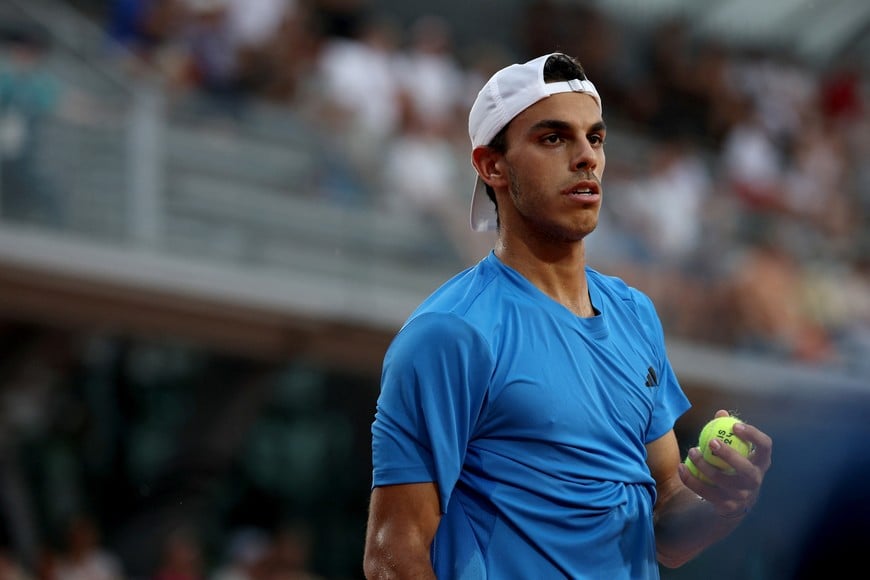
214	214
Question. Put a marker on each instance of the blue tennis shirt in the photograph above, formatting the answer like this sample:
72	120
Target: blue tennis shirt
532	422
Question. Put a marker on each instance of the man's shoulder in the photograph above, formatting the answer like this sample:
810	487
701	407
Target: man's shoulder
455	316
465	293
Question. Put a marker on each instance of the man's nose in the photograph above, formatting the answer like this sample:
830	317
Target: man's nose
584	156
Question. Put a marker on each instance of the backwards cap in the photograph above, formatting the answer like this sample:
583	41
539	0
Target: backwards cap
505	95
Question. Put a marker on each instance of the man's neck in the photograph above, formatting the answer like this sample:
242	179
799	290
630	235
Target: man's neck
559	271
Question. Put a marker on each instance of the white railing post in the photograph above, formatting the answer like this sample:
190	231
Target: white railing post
146	165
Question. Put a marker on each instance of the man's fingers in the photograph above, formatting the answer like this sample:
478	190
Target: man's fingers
763	444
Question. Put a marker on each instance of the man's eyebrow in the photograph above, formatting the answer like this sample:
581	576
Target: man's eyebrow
553	124
598	127
558	125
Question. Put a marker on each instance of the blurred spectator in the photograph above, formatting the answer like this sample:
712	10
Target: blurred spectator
29	94
253	23
210	52
666	233
277	63
714	69
770	293
840	93
815	189
852	295
246	557
752	165
422	183
360	96
10	568
84	557
666	207
677	105
431	77
420	172
290	555
46	566
838	297
235	40
780	91
140	28
181	557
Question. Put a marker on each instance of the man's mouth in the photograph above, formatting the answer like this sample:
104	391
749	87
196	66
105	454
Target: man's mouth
584	188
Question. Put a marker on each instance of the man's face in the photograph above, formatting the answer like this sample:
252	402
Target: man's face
554	162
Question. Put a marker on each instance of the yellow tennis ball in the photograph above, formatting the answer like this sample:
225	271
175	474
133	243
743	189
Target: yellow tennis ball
694	470
721	428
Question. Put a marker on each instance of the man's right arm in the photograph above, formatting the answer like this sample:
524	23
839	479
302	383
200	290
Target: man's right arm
401	526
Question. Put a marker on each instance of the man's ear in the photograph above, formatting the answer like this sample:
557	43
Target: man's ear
487	162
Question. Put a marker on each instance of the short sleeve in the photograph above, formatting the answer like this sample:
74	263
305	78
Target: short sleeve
434	383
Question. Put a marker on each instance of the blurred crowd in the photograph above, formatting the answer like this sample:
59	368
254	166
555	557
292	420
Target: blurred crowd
250	554
737	193
737	189
76	478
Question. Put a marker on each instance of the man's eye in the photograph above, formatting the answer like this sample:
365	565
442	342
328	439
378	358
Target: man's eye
596	139
552	139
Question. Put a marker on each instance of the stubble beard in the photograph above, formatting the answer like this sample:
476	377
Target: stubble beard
546	228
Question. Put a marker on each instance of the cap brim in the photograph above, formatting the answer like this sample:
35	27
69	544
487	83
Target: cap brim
483	217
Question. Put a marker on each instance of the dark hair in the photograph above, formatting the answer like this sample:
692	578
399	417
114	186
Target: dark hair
559	67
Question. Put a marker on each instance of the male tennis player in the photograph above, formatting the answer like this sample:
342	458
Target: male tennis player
524	427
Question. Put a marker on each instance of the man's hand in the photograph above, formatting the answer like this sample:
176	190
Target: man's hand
731	494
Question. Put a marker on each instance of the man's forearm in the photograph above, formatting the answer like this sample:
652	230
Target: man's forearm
685	525
389	568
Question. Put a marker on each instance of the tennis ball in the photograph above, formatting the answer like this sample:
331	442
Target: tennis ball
721	428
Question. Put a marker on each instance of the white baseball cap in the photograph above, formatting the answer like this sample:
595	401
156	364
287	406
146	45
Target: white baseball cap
505	95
